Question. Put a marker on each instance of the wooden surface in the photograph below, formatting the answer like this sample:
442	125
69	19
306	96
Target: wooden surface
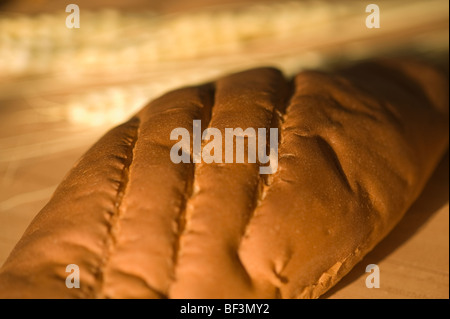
39	143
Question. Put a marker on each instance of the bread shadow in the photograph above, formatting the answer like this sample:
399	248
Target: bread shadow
434	196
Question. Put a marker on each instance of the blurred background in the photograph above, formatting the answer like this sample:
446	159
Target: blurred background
62	88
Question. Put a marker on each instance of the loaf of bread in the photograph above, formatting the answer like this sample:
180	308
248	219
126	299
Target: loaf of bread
356	147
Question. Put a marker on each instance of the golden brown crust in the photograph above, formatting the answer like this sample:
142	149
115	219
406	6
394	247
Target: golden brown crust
356	148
